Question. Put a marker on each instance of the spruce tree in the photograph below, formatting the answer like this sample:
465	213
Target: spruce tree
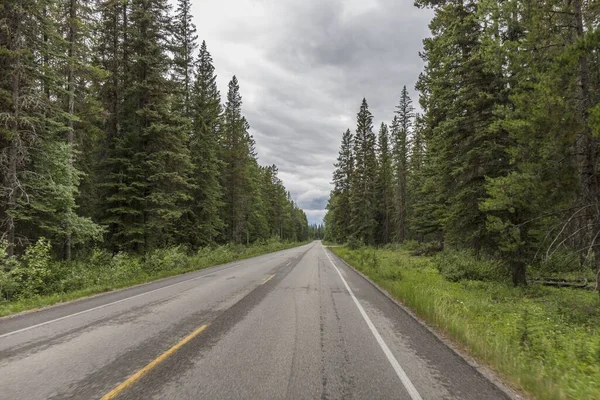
122	203
184	44
204	218
384	188
342	178
362	195
237	176
401	127
19	39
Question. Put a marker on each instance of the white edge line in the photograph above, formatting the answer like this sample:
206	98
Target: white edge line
410	388
108	304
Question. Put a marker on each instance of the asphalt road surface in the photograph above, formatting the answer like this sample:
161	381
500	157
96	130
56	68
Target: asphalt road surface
296	324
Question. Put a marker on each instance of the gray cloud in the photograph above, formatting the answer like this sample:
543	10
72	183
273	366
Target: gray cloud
304	66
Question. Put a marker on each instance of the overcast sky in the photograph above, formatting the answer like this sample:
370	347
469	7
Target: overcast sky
304	67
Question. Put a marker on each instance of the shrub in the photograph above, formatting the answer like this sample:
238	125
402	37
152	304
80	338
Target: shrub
32	273
425	248
459	265
354	243
560	262
167	259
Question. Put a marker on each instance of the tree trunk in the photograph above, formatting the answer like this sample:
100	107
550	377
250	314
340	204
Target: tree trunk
519	276
11	176
597	261
12	189
71	107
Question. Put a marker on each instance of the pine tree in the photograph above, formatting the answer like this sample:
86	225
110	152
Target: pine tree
384	189
121	207
237	176
204	218
342	178
183	48
19	125
401	127
362	195
416	219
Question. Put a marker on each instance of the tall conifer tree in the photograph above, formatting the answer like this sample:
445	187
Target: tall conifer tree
362	195
384	189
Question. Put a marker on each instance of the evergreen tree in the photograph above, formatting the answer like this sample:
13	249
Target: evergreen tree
122	203
20	39
362	195
401	126
237	175
384	189
184	45
342	178
416	219
204	218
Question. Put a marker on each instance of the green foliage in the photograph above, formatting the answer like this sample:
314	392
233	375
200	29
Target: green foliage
384	189
338	207
362	194
424	248
461	265
354	243
203	223
28	276
401	126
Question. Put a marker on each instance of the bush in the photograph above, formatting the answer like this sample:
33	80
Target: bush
561	262
168	259
459	265
354	243
32	273
424	248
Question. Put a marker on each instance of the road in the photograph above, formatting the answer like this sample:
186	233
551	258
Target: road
296	324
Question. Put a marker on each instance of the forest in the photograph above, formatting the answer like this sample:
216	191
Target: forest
503	163
115	137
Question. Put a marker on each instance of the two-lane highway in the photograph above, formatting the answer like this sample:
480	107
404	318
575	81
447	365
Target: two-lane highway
296	324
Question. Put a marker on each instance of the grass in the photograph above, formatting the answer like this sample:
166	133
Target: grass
102	273
543	340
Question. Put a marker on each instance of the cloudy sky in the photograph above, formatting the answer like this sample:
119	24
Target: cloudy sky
304	67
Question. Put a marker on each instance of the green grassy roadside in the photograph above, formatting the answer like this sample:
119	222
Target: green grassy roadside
103	273
543	340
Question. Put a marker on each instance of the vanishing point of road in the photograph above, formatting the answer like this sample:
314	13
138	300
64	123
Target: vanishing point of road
295	324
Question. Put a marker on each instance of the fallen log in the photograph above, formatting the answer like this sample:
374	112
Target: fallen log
565	283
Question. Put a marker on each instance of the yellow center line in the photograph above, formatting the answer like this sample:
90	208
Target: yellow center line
268	279
139	374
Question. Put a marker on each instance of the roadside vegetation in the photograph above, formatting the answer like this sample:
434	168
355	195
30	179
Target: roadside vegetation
36	280
541	339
